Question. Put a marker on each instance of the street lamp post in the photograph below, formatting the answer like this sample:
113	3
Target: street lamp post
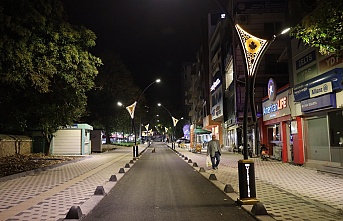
174	124
253	49
131	110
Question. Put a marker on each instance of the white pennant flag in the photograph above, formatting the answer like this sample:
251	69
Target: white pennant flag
131	109
175	121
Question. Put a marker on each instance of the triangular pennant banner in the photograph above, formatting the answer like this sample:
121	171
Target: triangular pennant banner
166	129
131	109
147	127
175	121
253	48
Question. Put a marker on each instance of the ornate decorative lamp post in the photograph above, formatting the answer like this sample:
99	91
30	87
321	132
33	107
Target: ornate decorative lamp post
174	124
253	49
131	110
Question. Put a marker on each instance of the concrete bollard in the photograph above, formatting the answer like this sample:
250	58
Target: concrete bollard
195	164
113	178
212	177
202	169
99	190
186	158
127	165
121	170
228	188
190	161
259	209
131	161
74	213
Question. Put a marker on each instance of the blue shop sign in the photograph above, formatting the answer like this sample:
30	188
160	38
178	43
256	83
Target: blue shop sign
302	90
325	101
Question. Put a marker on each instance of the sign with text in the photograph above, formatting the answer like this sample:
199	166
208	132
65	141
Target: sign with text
325	101
302	90
305	60
277	108
321	89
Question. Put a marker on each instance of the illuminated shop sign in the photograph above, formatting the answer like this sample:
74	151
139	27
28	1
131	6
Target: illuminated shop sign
279	105
215	85
321	89
320	85
271	89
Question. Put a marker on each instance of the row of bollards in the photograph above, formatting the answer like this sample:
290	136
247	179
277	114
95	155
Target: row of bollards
257	209
75	212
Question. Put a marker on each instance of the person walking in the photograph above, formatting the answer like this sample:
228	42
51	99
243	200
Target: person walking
214	150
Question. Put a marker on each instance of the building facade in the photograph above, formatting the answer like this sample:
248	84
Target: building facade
301	122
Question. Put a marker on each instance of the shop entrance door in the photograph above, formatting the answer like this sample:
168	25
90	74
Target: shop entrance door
275	143
336	136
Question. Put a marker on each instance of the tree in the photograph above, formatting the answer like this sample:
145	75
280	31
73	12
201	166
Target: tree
322	28
45	67
114	83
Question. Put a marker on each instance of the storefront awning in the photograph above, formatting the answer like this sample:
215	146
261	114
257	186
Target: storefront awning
202	131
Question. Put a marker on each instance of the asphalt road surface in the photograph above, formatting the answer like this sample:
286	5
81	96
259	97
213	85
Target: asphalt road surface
162	186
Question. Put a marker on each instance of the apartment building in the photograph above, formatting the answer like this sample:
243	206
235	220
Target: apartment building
299	124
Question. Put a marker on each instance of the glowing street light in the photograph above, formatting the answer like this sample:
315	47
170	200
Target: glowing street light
253	49
131	109
174	123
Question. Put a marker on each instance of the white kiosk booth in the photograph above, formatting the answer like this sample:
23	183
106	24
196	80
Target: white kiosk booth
72	140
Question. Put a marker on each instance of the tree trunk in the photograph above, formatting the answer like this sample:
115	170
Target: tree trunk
108	135
47	144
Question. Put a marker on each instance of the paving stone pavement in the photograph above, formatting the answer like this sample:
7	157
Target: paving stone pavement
288	192
48	195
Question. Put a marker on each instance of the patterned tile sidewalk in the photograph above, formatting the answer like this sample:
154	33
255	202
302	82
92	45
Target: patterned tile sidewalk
288	192
49	195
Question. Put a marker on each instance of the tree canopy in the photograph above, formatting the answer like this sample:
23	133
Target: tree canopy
45	66
322	28
114	83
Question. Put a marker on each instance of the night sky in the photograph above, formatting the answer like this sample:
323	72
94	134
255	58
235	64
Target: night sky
152	37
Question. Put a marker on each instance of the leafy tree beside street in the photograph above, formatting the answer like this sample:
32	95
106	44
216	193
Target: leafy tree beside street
322	28
45	67
114	83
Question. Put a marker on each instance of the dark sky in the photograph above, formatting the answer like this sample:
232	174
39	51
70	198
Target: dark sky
152	37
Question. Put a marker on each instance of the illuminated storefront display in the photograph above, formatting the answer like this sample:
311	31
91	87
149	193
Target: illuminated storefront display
217	99
276	117
277	108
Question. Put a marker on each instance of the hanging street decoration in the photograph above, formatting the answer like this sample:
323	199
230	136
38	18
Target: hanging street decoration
175	121
131	109
253	48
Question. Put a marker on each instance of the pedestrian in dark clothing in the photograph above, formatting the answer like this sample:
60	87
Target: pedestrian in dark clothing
214	150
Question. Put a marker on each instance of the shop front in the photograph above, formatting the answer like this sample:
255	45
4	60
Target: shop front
275	126
214	126
320	101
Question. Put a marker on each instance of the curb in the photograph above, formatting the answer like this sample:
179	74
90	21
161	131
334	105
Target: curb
81	211
233	196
